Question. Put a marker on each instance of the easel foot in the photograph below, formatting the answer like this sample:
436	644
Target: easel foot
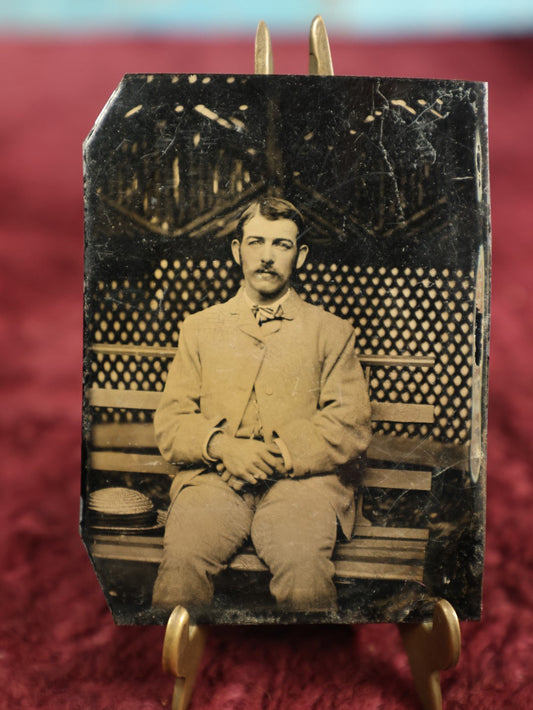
182	652
432	647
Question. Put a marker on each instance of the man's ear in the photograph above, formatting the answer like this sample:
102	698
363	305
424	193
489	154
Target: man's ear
236	250
303	250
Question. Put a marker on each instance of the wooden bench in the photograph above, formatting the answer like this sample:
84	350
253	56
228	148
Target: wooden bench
374	552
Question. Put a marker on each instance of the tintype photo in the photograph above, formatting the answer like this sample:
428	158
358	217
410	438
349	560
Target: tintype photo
286	332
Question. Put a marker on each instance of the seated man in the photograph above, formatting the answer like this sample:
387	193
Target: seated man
264	404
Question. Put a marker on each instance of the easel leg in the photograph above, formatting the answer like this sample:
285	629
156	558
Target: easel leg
182	652
432	647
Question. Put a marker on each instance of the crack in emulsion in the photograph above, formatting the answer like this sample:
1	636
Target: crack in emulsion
391	174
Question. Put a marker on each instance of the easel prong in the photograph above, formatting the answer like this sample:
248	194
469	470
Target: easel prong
320	63
264	61
432	647
182	652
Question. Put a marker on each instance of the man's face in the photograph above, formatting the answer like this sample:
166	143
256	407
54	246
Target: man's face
268	255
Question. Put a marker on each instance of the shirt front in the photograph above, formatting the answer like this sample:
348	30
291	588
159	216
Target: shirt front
251	426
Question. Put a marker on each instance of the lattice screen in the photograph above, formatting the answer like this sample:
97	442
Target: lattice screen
414	311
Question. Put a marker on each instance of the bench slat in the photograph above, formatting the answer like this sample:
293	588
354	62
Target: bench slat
123	399
346	569
123	436
364	359
128	463
379	570
155	464
128	548
402	412
387	448
418	450
397	478
381	544
141	399
368	565
397	360
141	544
380	555
137	350
376	531
141	436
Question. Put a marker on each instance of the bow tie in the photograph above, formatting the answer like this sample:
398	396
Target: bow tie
264	314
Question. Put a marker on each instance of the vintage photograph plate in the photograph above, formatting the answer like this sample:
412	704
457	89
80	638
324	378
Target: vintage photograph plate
325	464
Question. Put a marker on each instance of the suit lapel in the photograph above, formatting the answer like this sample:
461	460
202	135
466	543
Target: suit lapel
249	358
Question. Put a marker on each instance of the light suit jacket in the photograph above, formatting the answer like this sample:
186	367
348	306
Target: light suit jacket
308	382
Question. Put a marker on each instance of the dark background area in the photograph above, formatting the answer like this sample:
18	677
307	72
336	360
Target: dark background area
383	170
58	645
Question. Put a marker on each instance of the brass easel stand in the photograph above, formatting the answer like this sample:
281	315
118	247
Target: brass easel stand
432	646
182	652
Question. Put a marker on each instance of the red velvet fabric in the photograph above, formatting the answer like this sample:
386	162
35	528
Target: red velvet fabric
59	647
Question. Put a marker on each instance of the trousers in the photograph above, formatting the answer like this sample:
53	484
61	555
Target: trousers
292	528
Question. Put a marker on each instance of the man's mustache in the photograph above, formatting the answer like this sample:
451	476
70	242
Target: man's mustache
266	270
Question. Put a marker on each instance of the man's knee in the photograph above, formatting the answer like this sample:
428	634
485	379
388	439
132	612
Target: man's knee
294	531
302	564
299	559
297	527
182	580
302	577
206	517
205	527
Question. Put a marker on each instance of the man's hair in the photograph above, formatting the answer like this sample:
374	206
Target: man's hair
272	208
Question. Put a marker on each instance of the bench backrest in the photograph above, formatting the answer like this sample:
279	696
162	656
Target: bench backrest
131	447
386	550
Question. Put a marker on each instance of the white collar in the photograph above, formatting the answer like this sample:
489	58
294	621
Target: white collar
270	305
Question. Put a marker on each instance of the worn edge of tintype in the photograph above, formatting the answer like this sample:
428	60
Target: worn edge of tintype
481	336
